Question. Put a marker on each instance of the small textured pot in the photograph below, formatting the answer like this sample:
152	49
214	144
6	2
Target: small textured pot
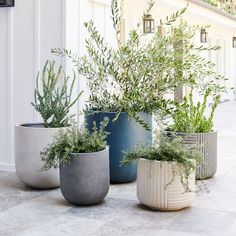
207	145
30	141
85	180
154	189
124	134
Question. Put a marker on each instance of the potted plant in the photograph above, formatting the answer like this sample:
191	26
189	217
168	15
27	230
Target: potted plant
83	158
166	173
53	102
128	83
191	122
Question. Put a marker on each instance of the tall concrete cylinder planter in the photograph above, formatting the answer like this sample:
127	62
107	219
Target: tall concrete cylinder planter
30	141
156	190
124	134
85	179
207	145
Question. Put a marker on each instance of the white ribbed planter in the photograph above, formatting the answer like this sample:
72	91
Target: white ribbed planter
207	145
30	140
152	189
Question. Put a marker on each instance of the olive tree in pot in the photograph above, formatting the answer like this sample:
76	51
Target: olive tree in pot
128	83
191	122
166	173
83	158
53	100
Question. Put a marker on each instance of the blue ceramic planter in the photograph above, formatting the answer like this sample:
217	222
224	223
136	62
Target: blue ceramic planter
124	134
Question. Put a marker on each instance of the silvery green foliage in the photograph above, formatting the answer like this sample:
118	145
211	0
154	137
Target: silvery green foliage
172	150
191	118
53	96
136	76
74	140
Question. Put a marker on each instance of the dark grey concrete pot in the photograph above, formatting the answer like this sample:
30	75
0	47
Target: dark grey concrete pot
85	180
207	145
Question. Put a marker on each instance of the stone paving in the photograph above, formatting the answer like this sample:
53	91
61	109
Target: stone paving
26	212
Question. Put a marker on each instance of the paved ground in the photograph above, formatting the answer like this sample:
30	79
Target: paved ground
24	212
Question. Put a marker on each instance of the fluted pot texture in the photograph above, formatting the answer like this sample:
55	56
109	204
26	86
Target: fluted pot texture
155	189
30	141
207	145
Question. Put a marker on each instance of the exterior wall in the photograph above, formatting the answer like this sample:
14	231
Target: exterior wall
30	29
27	33
222	30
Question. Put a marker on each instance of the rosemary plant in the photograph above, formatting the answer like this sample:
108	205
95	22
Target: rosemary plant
170	150
53	97
190	118
74	140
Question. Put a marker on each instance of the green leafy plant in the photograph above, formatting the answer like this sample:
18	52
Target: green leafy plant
136	75
169	149
74	140
190	118
53	97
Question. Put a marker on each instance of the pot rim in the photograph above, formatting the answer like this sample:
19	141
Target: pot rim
113	112
25	126
88	154
212	132
165	162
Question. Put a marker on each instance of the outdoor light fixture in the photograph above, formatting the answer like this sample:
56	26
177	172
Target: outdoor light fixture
203	36
7	3
148	24
234	42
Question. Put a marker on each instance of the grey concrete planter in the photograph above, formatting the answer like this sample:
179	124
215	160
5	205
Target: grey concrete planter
85	180
30	140
207	144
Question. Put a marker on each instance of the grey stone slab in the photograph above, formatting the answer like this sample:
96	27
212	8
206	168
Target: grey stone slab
128	191
13	192
136	222
64	225
177	233
203	222
114	208
218	200
32	212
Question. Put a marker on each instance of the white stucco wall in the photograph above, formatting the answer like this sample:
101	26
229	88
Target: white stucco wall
27	33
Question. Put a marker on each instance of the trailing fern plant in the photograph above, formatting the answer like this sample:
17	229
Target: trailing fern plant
191	118
74	140
53	97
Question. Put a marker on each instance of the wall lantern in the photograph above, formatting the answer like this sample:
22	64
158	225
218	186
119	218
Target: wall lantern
148	24
203	36
234	42
7	3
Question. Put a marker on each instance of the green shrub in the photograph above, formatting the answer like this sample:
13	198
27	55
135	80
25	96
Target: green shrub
191	118
74	140
169	149
53	97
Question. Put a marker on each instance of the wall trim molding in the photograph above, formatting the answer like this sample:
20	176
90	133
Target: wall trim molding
212	8
104	2
226	19
10	84
7	167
